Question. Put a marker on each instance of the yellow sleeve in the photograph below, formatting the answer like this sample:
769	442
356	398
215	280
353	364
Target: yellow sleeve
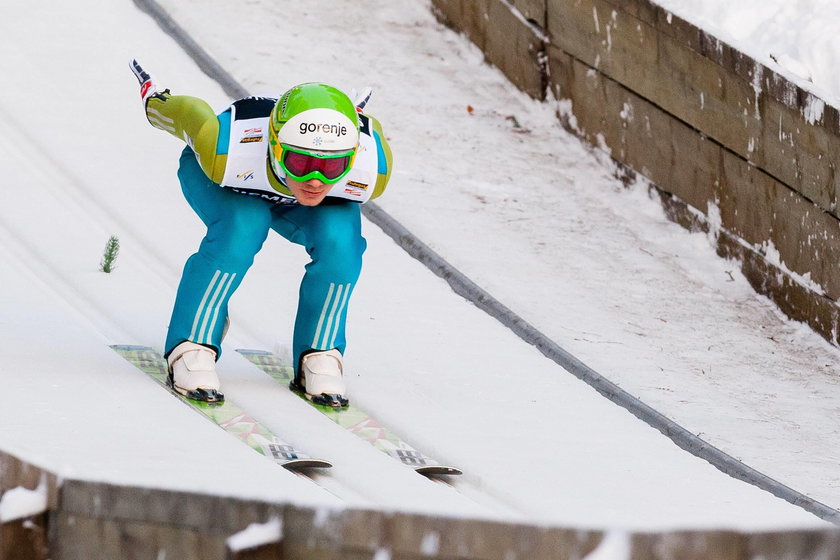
192	120
385	159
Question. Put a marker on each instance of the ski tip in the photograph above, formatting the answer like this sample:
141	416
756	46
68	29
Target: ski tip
306	464
247	351
438	470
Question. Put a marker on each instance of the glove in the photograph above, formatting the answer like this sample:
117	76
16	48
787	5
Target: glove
361	99
148	88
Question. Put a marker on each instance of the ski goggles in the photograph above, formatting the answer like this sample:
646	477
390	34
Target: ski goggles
302	165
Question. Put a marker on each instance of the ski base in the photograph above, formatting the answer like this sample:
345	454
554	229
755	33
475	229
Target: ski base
354	420
223	413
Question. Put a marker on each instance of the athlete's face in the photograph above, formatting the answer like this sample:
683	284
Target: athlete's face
308	193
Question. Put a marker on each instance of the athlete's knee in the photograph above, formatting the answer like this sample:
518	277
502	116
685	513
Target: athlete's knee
237	235
340	231
342	248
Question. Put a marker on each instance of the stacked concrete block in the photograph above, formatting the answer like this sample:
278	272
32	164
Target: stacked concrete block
99	520
512	43
715	131
102	521
24	539
271	551
732	545
367	534
792	544
94	520
24	534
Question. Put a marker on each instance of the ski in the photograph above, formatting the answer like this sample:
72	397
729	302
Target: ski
355	420
224	414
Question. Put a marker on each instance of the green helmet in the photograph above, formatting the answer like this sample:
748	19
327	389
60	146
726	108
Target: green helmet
313	133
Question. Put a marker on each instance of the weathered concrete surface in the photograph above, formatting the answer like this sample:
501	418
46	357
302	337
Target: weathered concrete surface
707	84
92	521
509	43
24	539
700	120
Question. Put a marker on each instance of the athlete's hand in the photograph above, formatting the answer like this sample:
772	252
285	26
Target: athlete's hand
147	85
361	99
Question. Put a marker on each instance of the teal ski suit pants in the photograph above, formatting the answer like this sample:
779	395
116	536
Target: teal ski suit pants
237	226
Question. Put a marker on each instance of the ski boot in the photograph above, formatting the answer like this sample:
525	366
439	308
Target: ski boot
192	372
319	379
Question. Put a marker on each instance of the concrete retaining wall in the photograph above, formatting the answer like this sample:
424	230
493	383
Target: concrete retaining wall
731	145
26	537
86	520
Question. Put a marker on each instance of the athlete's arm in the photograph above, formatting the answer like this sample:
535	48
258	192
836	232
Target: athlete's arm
192	120
383	173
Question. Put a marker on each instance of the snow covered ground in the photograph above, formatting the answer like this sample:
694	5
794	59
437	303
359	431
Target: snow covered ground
528	213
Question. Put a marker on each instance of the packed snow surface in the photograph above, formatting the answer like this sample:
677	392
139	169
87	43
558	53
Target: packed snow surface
484	175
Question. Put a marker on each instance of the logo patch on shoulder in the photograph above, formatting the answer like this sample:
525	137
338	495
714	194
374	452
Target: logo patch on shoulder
251	135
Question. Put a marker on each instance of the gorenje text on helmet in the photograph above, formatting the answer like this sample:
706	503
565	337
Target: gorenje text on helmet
337	129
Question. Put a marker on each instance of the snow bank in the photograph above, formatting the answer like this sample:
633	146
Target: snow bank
20	502
256	534
615	546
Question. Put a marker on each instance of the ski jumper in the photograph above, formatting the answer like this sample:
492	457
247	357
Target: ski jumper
228	181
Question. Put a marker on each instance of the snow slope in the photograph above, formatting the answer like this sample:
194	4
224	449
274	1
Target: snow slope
533	216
